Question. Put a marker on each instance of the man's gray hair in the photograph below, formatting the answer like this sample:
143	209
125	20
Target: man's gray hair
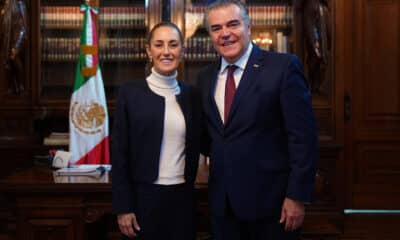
224	3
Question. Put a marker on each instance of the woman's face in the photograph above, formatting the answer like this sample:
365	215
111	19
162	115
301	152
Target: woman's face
165	50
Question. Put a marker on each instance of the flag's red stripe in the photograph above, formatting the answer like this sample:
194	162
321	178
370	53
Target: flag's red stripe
100	154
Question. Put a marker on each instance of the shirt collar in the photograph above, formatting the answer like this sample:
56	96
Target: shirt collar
241	62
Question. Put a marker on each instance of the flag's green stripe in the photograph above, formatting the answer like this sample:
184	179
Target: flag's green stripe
79	79
83	33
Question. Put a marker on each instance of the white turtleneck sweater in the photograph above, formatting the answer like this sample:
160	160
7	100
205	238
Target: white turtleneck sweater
172	156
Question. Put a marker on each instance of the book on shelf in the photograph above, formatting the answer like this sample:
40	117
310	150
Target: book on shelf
69	16
281	42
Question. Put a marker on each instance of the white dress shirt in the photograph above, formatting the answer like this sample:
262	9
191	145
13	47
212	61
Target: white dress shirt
219	93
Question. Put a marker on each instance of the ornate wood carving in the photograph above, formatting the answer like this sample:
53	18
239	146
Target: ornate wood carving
93	214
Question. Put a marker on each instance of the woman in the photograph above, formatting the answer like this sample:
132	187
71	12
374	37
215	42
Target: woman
155	146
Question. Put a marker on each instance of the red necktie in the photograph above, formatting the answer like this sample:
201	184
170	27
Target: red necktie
230	90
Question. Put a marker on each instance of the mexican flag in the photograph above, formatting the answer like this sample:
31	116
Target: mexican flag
88	118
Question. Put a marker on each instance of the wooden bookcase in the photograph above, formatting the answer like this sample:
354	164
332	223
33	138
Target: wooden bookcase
274	25
122	26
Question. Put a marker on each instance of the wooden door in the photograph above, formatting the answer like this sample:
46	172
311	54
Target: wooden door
372	104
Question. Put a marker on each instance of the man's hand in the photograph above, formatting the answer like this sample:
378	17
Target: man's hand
292	214
128	224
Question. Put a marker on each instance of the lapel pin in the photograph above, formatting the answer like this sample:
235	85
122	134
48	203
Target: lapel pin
256	65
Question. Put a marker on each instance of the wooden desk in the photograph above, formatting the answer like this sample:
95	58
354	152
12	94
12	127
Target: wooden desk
56	207
53	207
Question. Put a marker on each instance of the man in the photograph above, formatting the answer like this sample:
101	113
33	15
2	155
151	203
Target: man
263	137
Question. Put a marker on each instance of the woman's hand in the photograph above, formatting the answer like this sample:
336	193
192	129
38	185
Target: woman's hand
128	224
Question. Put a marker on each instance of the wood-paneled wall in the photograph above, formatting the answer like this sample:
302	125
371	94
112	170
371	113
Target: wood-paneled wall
372	135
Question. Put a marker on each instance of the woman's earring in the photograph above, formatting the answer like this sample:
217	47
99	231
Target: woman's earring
150	59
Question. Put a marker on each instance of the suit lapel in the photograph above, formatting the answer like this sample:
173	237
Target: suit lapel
253	67
216	117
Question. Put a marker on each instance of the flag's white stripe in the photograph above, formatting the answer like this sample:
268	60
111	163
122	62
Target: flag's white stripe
89	37
89	60
92	90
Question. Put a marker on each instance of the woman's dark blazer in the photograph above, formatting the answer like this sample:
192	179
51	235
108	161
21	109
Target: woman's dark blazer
137	135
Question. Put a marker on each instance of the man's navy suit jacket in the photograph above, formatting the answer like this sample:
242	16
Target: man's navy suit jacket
268	148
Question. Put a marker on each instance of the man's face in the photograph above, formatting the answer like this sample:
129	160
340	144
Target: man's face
229	33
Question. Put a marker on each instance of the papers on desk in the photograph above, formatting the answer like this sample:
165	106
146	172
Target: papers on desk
89	170
79	179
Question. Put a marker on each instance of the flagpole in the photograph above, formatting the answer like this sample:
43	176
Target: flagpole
89	133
